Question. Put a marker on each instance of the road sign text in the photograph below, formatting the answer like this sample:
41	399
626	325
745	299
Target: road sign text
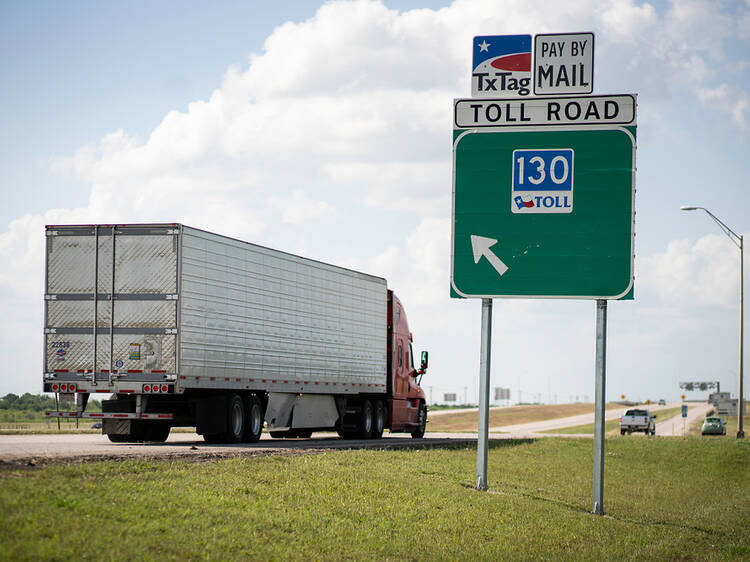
590	110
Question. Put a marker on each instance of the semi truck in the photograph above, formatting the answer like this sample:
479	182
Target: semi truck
181	327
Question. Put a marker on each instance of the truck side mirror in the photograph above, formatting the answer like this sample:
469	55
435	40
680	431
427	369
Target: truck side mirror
424	361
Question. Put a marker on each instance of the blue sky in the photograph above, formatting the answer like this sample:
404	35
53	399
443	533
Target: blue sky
178	81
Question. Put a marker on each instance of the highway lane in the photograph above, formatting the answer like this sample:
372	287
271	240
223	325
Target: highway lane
673	427
42	447
540	427
50	447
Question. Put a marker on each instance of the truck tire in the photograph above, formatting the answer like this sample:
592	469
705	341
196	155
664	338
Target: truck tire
366	420
304	433
235	420
377	432
418	432
156	432
622	432
254	421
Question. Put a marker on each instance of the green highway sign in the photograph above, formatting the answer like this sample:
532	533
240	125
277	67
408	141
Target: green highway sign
544	210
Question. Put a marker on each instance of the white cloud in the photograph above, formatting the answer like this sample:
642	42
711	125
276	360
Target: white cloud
727	99
704	273
348	114
298	208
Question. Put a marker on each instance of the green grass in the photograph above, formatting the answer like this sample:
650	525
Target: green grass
684	499
467	421
613	426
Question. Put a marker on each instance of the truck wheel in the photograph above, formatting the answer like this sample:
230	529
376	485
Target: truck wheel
622	432
418	433
156	432
379	420
235	420
254	422
366	420
304	433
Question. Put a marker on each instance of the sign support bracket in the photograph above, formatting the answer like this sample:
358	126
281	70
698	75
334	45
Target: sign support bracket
600	398
484	395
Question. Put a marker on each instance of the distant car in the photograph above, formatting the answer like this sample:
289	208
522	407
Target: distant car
713	426
637	420
662	402
97	425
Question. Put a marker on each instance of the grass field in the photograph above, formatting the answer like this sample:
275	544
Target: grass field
467	421
684	499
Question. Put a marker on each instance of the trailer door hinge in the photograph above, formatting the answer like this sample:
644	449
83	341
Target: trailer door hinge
171	297
170	331
50	297
50	330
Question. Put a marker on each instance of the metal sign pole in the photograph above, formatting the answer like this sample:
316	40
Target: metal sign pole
484	395
601	367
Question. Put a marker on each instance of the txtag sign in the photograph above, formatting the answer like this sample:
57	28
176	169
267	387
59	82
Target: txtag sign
564	63
501	66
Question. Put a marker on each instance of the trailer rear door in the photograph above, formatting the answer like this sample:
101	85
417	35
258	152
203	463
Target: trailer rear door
129	323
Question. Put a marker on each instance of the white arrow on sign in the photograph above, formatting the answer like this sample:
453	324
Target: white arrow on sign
481	247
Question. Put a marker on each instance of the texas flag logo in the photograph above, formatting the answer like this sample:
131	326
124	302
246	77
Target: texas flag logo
525	202
502	66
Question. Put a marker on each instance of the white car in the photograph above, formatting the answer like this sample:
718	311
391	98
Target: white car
637	420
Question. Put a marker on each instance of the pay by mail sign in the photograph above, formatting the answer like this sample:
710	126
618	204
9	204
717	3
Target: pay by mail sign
563	63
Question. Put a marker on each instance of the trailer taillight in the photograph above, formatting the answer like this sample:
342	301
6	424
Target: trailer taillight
71	387
55	387
164	388
63	388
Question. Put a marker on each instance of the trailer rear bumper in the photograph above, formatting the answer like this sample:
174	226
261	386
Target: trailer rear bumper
110	415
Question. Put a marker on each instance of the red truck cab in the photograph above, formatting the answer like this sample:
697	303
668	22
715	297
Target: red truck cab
407	405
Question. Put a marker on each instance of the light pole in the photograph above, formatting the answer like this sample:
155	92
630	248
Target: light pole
737	240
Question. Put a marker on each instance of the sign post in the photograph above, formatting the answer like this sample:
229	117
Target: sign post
484	394
543	194
599	404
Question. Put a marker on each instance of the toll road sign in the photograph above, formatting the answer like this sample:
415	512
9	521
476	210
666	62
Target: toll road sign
543	213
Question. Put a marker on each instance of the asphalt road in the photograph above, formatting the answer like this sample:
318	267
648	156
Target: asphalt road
49	447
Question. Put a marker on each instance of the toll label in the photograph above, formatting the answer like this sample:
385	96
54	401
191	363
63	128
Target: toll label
542	181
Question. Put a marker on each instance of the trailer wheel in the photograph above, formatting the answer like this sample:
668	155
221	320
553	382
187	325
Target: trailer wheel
254	421
366	421
117	437
418	433
304	433
379	420
235	420
156	432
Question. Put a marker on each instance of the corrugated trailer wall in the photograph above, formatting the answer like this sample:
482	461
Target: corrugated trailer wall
275	319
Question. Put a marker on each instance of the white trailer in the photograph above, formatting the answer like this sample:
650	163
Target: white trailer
186	327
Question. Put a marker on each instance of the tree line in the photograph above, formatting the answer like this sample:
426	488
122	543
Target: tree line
38	403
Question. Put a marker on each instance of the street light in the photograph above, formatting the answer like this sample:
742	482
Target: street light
737	240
